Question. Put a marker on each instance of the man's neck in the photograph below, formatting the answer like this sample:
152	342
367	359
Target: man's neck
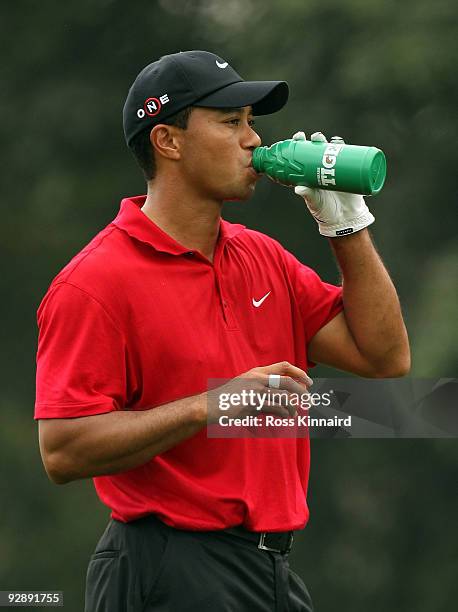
191	221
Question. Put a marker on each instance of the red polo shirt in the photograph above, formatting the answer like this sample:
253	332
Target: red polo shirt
136	320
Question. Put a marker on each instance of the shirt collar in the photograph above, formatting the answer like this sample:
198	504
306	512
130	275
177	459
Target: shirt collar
134	221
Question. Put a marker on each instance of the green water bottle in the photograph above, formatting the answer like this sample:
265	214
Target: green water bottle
325	165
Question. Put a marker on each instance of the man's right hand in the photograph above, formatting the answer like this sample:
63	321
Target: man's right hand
253	385
121	440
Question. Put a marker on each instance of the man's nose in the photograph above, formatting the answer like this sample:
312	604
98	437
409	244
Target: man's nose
252	139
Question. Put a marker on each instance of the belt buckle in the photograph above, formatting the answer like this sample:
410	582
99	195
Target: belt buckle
262	546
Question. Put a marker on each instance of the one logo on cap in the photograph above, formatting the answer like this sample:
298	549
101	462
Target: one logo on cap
221	64
152	106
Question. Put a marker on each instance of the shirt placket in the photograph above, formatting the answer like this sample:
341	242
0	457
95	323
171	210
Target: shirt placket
225	301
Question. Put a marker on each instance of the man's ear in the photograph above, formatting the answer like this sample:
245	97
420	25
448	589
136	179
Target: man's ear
165	140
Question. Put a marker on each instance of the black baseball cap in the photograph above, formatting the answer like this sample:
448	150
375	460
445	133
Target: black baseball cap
194	78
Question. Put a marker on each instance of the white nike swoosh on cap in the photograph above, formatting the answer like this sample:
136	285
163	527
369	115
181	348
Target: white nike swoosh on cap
222	65
257	303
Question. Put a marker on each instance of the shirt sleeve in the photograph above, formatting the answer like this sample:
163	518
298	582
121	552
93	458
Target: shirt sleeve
81	367
318	301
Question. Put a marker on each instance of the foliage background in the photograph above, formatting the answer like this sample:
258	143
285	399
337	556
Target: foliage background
377	72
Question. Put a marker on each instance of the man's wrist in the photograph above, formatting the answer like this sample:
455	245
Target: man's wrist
355	239
199	409
338	230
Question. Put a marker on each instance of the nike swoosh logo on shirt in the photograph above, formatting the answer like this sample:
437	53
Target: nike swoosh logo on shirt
257	303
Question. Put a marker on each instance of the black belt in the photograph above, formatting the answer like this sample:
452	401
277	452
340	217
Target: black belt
280	542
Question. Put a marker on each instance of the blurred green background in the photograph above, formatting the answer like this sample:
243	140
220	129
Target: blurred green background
383	532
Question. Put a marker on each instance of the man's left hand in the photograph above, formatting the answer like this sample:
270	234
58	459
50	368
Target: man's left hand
337	213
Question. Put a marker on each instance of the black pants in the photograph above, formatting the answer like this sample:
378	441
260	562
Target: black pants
146	566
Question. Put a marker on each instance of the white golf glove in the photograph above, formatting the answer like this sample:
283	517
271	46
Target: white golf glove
337	213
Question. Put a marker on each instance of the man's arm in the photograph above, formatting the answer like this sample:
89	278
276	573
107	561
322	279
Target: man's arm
108	443
369	338
96	445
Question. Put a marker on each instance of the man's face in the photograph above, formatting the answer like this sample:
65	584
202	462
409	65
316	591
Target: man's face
216	150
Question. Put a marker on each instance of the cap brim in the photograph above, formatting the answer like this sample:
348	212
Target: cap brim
264	96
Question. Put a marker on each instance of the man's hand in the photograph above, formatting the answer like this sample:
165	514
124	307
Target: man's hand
337	213
117	441
254	387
